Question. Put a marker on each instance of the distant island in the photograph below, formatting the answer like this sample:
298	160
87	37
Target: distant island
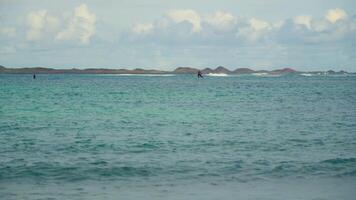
179	70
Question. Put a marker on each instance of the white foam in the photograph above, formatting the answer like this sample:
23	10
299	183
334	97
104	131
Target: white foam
260	74
266	75
305	74
216	74
143	74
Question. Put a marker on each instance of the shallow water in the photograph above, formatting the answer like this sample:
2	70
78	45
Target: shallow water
177	137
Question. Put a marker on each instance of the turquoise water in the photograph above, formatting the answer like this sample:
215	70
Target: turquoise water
177	137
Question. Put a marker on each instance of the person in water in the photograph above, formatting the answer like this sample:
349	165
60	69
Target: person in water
34	76
200	75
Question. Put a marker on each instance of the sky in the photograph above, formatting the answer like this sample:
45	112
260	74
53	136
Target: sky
306	35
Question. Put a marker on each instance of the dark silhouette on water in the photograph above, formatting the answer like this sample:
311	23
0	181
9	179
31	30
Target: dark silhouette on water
200	75
34	76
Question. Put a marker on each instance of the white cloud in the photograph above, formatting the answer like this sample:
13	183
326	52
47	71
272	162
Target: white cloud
39	22
255	30
143	28
335	15
320	25
8	31
304	20
258	25
190	16
81	26
221	20
318	30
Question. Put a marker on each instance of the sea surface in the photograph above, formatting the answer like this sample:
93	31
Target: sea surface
87	137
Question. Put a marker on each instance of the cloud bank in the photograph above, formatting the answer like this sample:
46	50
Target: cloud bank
189	26
193	27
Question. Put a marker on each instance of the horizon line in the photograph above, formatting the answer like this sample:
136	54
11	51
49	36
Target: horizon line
174	68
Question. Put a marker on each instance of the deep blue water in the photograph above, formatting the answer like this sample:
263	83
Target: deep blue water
177	137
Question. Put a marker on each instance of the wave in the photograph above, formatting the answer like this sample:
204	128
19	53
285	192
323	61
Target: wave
82	171
324	74
216	74
306	74
340	161
101	169
143	74
134	74
266	75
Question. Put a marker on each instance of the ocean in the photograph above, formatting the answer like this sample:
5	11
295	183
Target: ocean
177	137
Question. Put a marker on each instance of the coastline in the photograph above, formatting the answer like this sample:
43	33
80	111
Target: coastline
180	70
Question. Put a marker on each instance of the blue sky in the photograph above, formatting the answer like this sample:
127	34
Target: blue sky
165	34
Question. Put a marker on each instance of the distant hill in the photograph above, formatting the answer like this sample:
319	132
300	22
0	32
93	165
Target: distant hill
207	71
190	70
222	70
179	70
243	71
41	70
283	71
185	70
